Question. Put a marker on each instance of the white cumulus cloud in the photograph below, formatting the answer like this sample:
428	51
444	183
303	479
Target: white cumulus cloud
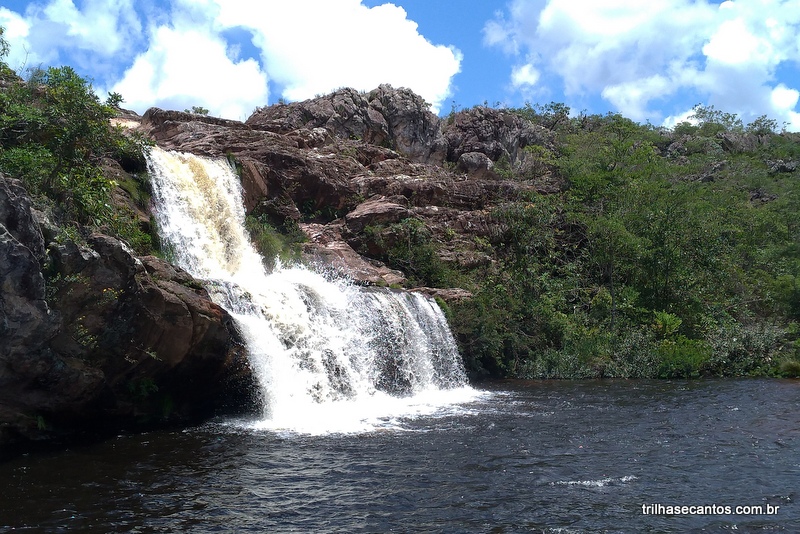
16	34
638	56
185	67
734	44
92	36
311	47
524	75
181	52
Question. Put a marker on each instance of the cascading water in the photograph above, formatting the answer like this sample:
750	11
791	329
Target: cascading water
329	356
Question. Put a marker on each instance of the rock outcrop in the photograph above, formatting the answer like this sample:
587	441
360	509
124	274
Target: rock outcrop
350	161
91	335
394	118
495	133
25	318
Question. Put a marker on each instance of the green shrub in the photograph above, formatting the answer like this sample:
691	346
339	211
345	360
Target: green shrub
790	368
682	357
54	134
272	244
739	350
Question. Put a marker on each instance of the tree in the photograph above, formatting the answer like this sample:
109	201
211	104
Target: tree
611	247
3	43
54	132
712	120
197	110
763	125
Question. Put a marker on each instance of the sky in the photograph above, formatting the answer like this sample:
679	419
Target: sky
651	61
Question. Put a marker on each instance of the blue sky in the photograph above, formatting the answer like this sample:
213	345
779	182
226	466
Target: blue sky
651	61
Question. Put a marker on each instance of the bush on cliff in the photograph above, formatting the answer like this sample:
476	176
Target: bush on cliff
54	135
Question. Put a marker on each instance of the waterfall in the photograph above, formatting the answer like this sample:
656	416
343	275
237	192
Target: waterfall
328	355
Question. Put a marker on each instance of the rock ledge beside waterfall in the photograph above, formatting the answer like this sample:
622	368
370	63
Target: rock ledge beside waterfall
110	341
351	168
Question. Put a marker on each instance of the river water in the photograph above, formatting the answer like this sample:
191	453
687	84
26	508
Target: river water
557	456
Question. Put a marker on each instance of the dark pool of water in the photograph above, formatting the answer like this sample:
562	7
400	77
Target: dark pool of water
529	457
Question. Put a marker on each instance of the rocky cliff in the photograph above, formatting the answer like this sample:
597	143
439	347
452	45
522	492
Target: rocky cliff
354	170
92	336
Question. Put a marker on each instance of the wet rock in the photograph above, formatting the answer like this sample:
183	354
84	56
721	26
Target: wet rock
327	247
105	338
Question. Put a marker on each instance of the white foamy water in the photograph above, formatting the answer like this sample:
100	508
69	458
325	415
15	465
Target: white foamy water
329	356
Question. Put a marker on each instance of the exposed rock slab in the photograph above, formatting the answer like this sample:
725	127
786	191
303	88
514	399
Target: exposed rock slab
447	295
327	247
376	211
105	338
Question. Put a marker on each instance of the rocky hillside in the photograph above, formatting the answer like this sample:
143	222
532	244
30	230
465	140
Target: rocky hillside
561	245
348	168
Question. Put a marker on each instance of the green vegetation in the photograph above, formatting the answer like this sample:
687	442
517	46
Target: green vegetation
55	136
669	254
274	244
197	110
408	245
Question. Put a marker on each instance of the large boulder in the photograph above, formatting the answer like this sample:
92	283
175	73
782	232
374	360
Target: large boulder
376	211
395	118
105	339
498	134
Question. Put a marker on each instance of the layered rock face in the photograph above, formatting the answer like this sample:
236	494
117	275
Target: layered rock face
91	335
348	166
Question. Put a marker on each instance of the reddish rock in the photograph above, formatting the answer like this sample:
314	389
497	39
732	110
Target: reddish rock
447	295
376	211
326	247
107	338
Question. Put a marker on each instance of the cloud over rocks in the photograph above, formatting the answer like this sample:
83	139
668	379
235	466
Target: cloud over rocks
182	53
639	55
184	68
315	46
